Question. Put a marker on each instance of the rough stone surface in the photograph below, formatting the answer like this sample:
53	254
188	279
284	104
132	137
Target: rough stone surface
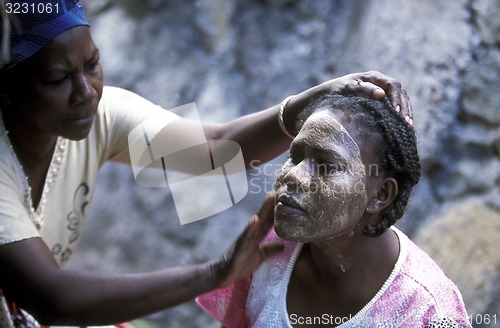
235	57
464	241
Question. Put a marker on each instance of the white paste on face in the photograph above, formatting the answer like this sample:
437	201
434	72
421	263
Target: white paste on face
325	176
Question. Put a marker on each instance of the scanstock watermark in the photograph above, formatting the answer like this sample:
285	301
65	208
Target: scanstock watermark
207	177
179	156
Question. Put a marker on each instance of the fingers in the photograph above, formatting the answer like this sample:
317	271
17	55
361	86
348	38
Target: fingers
247	253
406	110
267	205
261	222
410	112
259	227
379	85
265	220
265	216
269	250
391	87
373	84
367	89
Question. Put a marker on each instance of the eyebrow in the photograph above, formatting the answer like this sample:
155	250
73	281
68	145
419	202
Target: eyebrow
95	54
59	68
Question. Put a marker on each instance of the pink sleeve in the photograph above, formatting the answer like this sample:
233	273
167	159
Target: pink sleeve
227	305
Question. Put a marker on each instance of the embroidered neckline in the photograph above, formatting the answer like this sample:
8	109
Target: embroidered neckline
361	313
37	215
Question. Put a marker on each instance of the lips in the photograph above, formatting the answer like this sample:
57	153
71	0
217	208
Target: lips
81	120
83	116
289	206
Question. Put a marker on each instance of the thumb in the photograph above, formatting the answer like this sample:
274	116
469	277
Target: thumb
270	250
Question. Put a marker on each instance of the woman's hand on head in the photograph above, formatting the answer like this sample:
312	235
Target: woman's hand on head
372	84
247	252
377	85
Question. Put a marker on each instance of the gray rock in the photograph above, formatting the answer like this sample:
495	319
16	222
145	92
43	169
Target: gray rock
464	241
480	99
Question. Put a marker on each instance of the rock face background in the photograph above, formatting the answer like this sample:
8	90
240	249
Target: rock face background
235	57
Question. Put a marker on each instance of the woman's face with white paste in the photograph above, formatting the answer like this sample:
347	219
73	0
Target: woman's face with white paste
321	192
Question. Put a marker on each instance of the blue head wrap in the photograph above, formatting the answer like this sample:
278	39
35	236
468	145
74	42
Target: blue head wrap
39	25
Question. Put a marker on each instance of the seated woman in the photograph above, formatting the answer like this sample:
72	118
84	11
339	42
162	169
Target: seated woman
350	174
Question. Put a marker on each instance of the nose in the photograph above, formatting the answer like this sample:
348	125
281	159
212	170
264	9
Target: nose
83	90
297	178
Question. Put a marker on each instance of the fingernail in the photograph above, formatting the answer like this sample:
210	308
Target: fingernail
398	108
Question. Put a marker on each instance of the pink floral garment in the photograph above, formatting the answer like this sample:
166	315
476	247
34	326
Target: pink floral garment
416	294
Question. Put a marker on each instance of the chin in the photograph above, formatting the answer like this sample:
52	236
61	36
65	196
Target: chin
288	232
78	132
76	135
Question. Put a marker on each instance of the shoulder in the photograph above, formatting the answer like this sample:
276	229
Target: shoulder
112	94
421	268
423	282
125	107
11	174
15	224
115	97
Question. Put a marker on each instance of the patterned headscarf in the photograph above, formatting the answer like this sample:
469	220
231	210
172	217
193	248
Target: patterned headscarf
40	23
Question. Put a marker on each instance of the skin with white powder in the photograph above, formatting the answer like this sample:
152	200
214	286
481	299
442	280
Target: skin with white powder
321	189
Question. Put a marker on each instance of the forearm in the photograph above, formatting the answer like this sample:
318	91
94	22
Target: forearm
259	134
31	278
87	298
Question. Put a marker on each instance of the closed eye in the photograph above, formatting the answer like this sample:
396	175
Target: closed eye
327	168
56	82
93	65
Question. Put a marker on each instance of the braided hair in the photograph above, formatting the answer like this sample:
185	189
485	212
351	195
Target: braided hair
394	145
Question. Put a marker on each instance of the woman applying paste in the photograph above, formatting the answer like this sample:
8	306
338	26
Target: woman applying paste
58	126
351	170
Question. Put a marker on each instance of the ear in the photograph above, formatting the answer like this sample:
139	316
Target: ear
387	191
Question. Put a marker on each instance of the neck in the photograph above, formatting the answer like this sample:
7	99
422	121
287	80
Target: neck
30	147
339	260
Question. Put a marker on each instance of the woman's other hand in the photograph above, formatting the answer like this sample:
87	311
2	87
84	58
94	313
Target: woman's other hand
247	253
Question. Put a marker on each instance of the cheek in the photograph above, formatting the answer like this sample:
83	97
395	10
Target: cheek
43	110
98	82
35	97
339	201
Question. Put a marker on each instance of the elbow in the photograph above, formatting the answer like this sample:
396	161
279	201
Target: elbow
215	131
